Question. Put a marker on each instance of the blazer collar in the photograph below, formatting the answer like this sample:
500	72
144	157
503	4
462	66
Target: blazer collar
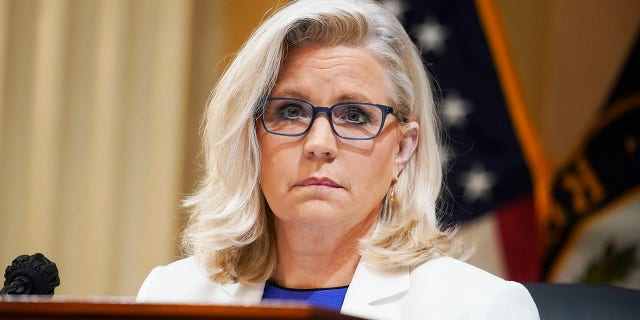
372	289
368	296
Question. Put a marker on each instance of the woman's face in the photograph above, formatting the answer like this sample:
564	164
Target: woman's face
320	180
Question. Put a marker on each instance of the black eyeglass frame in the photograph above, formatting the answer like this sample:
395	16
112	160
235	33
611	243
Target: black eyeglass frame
386	110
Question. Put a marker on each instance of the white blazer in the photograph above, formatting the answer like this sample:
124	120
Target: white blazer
442	288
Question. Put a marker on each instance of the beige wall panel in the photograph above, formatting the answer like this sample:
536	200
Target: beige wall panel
92	135
4	34
106	132
45	112
16	105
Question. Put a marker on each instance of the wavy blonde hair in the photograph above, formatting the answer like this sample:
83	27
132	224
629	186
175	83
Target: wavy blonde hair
230	227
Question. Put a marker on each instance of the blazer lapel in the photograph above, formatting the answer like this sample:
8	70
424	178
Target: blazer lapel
374	292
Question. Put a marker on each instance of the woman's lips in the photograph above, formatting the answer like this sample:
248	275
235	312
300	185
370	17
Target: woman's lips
320	182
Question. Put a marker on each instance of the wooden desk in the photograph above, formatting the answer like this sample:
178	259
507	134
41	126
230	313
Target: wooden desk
48	310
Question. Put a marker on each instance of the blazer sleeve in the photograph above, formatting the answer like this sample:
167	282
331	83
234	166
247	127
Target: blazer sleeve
512	302
145	293
446	288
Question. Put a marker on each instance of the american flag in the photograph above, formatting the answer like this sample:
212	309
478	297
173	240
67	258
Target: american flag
486	169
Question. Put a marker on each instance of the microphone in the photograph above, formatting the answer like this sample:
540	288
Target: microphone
35	275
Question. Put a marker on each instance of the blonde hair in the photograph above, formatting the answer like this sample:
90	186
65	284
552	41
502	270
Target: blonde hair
230	229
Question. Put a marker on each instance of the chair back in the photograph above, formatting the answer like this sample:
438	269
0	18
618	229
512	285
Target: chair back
583	301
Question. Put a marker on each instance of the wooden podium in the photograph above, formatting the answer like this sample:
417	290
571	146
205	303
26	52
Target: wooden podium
75	310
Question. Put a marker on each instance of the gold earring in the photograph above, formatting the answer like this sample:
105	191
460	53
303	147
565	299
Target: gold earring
389	201
392	195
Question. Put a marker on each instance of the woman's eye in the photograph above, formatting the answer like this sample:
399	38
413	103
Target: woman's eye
356	116
290	111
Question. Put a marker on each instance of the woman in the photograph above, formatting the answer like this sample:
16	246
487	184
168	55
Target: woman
322	175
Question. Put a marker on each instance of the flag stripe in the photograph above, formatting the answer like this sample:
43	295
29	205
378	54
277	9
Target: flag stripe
519	241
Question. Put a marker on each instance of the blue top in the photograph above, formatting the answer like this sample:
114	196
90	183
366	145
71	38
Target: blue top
329	298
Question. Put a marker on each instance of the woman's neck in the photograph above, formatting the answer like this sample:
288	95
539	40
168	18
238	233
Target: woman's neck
318	257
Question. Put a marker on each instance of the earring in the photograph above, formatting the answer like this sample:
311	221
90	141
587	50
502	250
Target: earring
389	200
392	194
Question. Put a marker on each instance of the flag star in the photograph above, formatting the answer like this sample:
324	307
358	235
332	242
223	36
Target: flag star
454	110
477	183
431	36
397	7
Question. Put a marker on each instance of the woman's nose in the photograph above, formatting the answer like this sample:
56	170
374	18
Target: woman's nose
320	141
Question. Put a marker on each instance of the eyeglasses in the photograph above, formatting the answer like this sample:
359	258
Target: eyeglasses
349	120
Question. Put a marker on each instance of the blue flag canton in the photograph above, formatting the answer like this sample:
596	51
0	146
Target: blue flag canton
485	165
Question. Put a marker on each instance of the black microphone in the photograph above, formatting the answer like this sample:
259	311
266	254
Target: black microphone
33	274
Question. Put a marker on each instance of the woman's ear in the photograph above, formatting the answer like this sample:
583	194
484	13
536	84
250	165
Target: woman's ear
407	146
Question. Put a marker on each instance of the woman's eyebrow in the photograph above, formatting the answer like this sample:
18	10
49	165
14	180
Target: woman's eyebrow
353	97
289	93
345	97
